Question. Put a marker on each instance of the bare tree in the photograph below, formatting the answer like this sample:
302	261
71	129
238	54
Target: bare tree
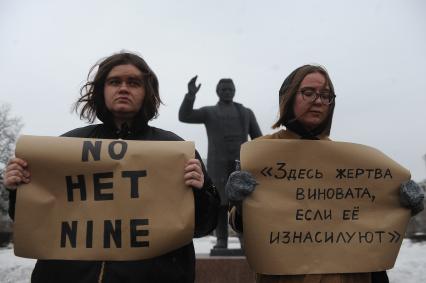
417	227
9	130
424	158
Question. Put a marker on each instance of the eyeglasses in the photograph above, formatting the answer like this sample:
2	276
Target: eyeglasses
130	82
310	95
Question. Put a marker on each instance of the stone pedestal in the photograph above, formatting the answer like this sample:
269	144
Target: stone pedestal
226	252
222	269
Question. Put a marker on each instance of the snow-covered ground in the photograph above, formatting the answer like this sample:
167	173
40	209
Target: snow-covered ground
410	266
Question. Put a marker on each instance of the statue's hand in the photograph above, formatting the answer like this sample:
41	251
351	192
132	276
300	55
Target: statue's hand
192	88
240	184
411	196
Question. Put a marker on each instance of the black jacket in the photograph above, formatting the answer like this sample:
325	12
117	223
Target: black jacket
176	266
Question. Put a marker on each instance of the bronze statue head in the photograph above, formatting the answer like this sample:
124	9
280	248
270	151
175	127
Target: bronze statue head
225	90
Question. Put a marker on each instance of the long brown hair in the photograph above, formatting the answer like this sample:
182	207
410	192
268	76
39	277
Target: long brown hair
91	103
288	93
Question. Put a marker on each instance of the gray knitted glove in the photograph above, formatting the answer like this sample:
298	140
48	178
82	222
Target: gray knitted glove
240	184
411	196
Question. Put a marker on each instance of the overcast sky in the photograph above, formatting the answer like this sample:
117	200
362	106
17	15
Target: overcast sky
375	52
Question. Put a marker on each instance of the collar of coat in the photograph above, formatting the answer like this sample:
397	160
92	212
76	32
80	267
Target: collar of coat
287	134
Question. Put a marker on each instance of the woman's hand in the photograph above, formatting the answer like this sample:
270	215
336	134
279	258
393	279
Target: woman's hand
194	176
16	173
411	196
240	184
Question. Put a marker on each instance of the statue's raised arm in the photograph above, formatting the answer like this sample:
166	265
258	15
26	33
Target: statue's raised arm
187	113
192	87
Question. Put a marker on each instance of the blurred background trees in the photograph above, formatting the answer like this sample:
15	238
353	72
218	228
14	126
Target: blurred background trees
9	130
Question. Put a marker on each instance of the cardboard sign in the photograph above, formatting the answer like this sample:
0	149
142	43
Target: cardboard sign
322	207
103	199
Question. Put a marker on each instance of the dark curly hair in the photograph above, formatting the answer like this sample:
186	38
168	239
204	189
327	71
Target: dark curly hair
91	103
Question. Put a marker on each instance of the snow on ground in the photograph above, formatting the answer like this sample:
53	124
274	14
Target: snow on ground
14	269
410	266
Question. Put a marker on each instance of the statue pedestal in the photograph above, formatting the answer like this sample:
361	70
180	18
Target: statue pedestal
222	269
226	252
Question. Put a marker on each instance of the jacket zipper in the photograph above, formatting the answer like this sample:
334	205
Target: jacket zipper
101	273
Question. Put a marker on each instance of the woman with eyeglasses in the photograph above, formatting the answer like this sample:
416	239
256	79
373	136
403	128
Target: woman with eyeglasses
307	102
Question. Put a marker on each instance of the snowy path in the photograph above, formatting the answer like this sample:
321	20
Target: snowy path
410	266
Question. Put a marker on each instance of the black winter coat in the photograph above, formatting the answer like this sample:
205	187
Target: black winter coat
176	266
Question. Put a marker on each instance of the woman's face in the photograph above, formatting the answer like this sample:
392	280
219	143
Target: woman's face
309	113
124	92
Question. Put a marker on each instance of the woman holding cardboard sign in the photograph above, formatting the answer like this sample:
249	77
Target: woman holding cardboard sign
124	95
307	102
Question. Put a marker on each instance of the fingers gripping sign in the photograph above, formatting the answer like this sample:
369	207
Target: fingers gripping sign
192	87
193	175
16	173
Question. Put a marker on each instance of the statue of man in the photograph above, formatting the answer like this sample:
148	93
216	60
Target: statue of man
228	125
